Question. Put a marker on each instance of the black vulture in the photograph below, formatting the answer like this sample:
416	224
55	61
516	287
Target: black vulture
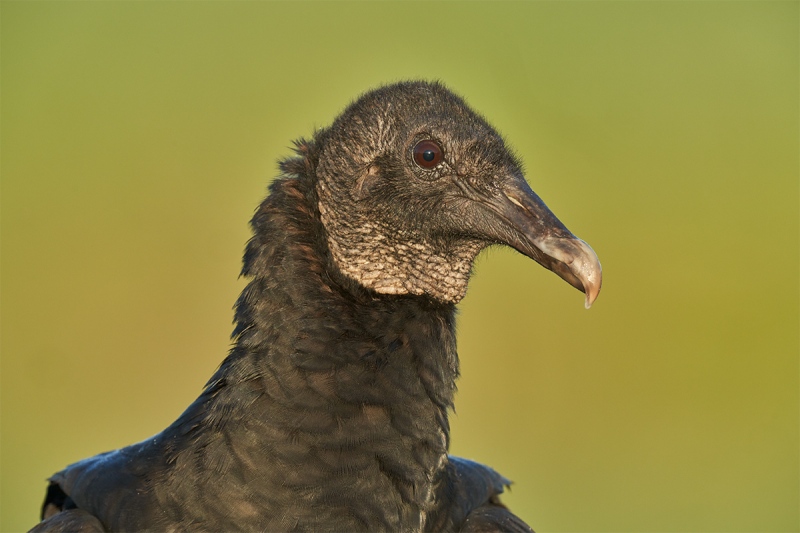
330	412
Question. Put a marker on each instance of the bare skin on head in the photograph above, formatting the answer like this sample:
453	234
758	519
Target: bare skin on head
399	224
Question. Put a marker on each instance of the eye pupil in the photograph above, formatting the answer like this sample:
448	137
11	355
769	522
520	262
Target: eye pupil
427	154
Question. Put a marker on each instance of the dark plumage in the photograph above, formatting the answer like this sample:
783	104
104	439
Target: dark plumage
331	411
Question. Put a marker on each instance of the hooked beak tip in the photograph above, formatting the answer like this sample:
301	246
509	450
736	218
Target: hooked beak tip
586	267
591	296
575	262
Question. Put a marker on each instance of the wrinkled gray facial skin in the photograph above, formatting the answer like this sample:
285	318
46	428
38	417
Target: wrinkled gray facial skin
399	228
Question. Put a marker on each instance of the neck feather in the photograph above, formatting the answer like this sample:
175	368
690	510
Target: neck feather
346	390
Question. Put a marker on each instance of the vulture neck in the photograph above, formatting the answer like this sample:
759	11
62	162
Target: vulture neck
345	391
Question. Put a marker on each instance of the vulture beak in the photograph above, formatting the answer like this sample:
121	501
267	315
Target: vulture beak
532	229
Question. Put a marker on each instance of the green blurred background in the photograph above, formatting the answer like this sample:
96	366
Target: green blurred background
138	137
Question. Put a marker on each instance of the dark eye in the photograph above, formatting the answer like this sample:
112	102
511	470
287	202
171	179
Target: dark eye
427	154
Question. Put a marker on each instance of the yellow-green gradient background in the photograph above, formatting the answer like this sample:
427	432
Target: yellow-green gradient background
138	137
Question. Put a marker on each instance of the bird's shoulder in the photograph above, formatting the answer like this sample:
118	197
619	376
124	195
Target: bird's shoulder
491	518
69	521
470	500
101	485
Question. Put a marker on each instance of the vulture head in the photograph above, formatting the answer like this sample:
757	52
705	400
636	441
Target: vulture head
413	184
